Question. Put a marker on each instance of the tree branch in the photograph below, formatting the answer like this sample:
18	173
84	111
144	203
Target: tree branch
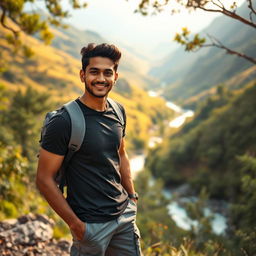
253	11
221	6
2	20
251	7
218	44
230	14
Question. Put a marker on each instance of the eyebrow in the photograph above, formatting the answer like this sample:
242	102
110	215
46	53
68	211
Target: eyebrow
96	69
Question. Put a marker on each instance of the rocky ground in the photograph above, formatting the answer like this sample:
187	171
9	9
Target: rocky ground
31	235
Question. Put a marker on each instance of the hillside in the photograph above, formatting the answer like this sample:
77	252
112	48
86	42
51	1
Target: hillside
188	74
54	71
204	152
133	66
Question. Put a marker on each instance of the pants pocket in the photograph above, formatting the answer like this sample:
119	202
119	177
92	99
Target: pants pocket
86	233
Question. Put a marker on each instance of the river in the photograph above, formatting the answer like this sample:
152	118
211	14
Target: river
178	214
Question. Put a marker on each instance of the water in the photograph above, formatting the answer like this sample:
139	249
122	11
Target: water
137	163
178	213
180	120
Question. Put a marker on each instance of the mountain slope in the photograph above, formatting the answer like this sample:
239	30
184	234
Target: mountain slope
204	152
187	74
133	66
56	72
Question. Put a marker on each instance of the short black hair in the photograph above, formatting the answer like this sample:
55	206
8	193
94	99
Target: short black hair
101	50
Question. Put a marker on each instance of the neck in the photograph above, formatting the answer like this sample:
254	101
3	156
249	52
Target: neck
98	104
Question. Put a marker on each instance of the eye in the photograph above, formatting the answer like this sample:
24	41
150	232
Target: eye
93	72
108	73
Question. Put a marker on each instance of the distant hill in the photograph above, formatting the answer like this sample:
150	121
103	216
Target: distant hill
187	74
71	40
133	66
55	71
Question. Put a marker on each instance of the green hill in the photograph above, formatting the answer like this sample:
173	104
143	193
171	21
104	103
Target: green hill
204	152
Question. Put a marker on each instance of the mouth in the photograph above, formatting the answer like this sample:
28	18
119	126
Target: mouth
100	85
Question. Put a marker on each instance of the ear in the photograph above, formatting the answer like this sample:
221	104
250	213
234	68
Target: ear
116	76
82	76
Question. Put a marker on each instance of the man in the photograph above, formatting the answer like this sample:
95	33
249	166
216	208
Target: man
100	208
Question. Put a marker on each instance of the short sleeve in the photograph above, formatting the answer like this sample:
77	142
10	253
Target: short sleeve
124	116
56	138
124	127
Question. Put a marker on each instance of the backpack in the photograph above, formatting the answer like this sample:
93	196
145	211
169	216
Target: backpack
78	129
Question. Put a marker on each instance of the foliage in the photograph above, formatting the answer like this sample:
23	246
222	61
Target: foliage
186	248
205	152
24	118
197	42
31	22
243	221
153	219
161	236
190	45
13	168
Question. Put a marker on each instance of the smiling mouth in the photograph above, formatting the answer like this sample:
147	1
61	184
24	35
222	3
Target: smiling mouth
100	85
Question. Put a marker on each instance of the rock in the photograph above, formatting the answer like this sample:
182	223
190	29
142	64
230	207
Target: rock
26	218
31	235
8	245
7	224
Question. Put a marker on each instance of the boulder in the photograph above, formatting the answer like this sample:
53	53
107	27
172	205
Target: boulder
31	235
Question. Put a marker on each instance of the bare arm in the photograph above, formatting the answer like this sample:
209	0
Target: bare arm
125	170
48	166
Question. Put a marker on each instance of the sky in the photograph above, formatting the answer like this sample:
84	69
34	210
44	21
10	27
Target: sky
116	21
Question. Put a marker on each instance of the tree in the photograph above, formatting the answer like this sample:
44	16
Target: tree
31	22
243	223
216	6
23	117
13	168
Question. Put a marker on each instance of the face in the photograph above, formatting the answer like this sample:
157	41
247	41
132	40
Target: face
99	76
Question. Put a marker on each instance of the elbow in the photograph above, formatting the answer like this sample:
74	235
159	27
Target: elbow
42	182
39	182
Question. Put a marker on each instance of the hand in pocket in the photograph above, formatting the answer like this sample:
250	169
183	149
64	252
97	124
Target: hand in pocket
78	231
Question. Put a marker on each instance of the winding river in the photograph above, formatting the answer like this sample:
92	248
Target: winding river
177	213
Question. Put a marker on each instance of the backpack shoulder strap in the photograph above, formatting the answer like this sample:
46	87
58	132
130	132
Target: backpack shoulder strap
117	110
78	125
78	128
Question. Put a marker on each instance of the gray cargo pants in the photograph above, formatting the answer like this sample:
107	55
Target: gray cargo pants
118	237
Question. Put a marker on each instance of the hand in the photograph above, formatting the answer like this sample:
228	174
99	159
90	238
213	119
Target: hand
78	230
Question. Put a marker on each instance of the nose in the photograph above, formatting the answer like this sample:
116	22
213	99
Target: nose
101	77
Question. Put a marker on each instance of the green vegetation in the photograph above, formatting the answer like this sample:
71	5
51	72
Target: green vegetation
15	18
216	151
204	151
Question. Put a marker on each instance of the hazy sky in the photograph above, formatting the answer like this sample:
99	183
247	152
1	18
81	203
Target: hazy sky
116	21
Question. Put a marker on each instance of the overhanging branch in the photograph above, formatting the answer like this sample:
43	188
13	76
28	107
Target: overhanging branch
218	44
2	20
229	14
251	6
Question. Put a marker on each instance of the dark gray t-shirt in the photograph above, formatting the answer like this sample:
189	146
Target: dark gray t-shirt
94	189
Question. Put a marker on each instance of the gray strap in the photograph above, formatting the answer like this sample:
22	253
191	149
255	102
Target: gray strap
78	126
117	110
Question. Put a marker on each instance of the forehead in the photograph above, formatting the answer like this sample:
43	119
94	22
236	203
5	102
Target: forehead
101	63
